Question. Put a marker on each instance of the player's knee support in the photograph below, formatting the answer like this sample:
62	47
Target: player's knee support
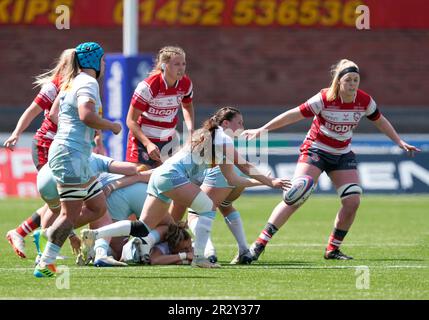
202	203
139	229
349	189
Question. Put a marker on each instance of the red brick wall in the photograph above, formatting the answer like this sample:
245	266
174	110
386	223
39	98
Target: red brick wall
241	66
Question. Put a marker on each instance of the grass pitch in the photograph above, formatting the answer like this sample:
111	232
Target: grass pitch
389	240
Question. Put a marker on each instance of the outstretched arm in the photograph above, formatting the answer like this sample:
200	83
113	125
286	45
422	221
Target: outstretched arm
24	121
127	181
233	157
286	118
386	127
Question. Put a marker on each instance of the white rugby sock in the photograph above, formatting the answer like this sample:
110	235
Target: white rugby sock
50	253
152	238
101	247
235	225
117	229
202	233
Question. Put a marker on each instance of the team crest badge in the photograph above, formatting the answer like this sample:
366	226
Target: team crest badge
356	116
315	157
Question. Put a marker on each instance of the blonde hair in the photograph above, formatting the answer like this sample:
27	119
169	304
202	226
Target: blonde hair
62	67
333	90
164	56
176	233
70	71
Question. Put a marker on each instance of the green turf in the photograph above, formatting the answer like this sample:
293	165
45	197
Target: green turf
390	236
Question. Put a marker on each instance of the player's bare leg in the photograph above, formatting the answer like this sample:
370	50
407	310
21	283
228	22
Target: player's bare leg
347	183
281	213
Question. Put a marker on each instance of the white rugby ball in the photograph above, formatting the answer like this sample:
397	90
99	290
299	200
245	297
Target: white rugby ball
300	190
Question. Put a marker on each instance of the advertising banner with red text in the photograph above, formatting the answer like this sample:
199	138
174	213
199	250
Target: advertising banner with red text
216	13
17	173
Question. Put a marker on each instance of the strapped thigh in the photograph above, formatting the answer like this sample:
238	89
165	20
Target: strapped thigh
72	193
94	189
349	189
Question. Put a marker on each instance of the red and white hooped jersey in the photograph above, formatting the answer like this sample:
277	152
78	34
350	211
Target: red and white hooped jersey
159	105
45	99
334	121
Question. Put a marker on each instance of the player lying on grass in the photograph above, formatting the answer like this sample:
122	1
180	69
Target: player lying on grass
175	248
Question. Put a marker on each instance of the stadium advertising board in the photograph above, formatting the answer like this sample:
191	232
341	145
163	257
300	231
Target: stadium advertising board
215	13
380	173
121	77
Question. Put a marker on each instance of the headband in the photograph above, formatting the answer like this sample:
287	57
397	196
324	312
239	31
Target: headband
347	70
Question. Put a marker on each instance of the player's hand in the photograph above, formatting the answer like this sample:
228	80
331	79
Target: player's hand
99	150
116	128
411	150
189	256
280	183
11	142
153	152
75	244
252	133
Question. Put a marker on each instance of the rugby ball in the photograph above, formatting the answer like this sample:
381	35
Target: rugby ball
300	190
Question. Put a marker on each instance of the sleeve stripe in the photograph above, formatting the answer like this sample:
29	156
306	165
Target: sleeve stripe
306	111
375	115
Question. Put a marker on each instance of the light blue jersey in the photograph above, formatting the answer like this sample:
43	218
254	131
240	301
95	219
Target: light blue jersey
72	132
69	153
185	167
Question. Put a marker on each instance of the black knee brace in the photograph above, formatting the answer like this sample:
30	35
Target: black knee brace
139	229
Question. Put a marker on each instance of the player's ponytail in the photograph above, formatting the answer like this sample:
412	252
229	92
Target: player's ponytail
202	135
62	67
70	71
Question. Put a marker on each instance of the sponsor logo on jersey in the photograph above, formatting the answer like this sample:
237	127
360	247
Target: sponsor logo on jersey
340	128
162	112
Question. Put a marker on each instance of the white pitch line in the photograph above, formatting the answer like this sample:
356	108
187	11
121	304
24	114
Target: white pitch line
301	245
139	298
340	267
257	266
